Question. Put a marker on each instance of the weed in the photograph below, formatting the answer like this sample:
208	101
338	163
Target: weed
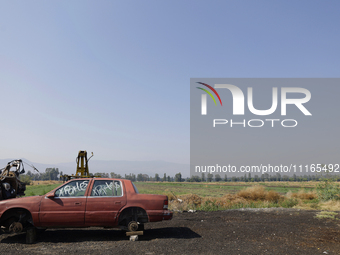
313	201
209	206
273	196
328	190
253	193
302	194
289	203
330	205
326	215
217	196
256	193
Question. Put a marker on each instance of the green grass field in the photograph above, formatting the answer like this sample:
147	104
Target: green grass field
34	190
224	196
201	189
212	189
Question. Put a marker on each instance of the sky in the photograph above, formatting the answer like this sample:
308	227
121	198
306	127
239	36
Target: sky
113	77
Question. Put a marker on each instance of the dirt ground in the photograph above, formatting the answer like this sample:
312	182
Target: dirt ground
253	231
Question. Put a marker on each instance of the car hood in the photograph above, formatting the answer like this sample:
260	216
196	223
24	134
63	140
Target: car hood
20	201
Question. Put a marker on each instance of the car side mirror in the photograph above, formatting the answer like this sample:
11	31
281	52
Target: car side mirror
51	195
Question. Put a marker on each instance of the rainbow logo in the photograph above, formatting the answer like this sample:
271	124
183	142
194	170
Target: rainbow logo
208	92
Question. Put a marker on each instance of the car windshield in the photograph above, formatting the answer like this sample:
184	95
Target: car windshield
136	190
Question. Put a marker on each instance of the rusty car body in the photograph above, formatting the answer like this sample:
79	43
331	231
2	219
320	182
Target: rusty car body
100	202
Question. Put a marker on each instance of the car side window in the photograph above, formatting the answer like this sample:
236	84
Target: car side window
107	188
75	188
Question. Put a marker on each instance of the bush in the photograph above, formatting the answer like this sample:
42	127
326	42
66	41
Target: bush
289	203
305	195
193	199
253	193
259	193
327	215
25	179
272	196
328	190
209	206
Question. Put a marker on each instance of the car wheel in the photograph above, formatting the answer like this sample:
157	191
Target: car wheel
133	226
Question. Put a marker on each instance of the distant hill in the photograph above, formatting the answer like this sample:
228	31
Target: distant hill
121	167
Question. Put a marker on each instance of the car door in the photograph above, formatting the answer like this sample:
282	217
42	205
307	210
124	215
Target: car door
67	207
104	202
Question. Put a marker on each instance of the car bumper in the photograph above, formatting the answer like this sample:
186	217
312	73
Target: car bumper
159	215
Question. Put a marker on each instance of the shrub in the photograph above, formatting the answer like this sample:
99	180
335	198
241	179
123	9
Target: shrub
192	199
330	205
209	206
289	203
273	196
170	194
328	190
253	193
186	202
302	194
327	215
25	179
257	193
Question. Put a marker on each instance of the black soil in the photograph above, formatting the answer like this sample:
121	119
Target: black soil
255	231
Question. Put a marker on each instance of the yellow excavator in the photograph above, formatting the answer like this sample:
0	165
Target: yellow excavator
82	167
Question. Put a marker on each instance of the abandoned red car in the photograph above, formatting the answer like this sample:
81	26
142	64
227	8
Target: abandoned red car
101	202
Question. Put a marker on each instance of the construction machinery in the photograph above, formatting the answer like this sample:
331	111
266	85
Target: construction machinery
82	167
10	184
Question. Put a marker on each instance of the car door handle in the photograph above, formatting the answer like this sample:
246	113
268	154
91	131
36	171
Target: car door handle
118	203
77	203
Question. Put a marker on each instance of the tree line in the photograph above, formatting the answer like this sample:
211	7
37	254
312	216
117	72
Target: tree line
217	178
261	178
54	174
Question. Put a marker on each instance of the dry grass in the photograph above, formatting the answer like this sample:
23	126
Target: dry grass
327	215
310	195
303	206
258	193
192	199
170	194
273	196
253	193
255	196
305	200
330	205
